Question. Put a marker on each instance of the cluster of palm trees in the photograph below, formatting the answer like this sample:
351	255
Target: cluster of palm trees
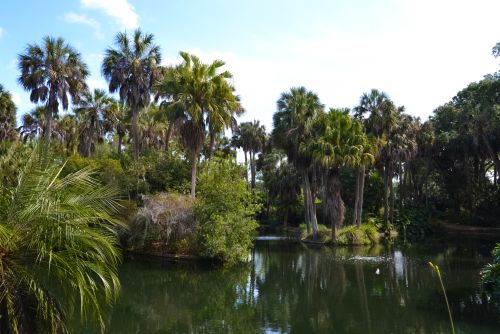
320	143
193	99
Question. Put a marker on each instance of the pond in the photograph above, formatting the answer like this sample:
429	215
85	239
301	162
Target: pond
291	288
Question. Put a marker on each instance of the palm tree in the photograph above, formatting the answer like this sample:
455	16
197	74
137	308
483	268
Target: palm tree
33	124
119	121
93	112
253	137
202	102
381	120
55	229
52	71
7	115
293	121
151	130
131	70
67	130
337	141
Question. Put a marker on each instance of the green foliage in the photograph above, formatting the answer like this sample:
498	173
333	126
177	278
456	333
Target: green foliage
55	228
491	272
324	233
225	212
366	234
170	173
413	222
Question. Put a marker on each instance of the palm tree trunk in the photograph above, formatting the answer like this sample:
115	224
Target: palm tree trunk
211	145
120	142
48	123
246	166
4	317
194	165
168	135
252	167
356	200
311	220
392	197
360	189
335	202
135	131
386	197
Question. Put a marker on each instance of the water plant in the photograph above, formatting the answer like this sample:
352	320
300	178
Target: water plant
435	268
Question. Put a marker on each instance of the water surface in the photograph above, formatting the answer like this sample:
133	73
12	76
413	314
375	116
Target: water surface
291	288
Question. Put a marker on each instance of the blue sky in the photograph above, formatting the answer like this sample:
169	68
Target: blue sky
420	52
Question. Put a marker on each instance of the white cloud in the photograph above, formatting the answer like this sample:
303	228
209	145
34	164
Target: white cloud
121	10
16	98
421	62
2	30
94	83
83	19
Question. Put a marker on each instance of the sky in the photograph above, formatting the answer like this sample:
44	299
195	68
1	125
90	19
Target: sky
419	52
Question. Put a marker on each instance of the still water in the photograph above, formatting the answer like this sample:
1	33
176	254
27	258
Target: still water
291	288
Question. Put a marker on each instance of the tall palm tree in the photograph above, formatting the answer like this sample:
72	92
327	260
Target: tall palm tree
33	124
338	141
66	129
152	131
297	111
93	112
52	71
119	121
202	102
380	116
131	70
7	115
58	245
253	138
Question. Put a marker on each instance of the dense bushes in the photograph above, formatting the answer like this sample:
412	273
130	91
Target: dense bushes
225	211
491	273
163	224
349	235
366	234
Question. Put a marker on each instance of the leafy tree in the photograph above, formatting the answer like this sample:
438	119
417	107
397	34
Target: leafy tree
201	100
60	230
7	115
225	212
52	71
93	112
293	121
131	70
338	141
252	136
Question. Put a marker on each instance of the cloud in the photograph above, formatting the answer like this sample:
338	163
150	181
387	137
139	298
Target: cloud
80	18
121	10
16	98
2	31
85	20
99	83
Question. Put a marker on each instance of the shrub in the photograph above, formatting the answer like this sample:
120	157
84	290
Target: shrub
367	234
491	272
225	212
164	224
324	233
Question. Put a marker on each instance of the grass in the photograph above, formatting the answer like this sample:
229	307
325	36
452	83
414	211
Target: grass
367	234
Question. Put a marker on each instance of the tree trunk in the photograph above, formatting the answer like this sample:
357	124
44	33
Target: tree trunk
386	198
360	189
493	154
252	167
168	135
246	167
335	203
194	165
49	113
120	142
391	207
285	217
309	204
211	145
135	132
